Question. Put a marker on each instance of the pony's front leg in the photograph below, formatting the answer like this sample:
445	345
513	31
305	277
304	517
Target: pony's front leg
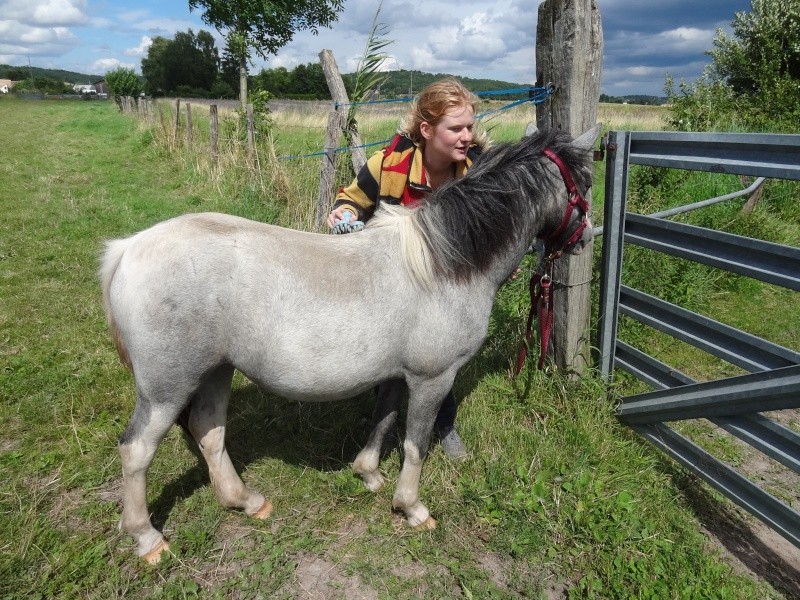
406	494
206	422
423	405
387	403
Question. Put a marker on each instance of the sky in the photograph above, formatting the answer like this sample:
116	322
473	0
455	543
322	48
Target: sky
643	40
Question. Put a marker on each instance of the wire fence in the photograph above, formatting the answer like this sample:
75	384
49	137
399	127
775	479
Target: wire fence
533	95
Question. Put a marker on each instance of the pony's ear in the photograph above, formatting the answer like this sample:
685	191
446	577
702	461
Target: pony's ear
586	140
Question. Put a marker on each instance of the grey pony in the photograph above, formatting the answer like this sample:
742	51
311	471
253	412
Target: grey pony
191	299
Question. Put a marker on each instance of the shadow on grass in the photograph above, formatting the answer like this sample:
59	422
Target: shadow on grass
321	436
738	537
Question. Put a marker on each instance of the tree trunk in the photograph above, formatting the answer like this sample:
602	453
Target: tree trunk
569	53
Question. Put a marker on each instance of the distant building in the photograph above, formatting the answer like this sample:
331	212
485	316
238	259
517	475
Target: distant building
84	89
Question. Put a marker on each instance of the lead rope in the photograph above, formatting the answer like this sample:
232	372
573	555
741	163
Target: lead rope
541	305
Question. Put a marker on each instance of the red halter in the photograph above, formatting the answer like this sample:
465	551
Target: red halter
575	200
541	283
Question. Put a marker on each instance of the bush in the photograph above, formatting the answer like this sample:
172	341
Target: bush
123	82
753	83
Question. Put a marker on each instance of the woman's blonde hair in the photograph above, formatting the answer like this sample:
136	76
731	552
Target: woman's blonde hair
433	103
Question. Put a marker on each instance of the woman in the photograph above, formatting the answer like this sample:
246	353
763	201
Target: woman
436	143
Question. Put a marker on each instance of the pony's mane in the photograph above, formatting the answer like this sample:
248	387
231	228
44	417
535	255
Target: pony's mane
462	226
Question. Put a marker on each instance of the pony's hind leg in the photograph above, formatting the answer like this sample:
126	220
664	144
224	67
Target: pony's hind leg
387	403
206	422
148	425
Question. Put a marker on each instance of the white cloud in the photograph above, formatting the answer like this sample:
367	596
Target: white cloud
687	38
104	65
22	40
141	49
46	13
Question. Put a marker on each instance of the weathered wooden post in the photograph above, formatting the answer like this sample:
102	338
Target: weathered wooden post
176	123
337	121
569	53
340	99
161	118
214	126
189	126
251	136
327	178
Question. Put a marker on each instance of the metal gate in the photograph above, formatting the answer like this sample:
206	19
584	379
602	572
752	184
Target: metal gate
772	381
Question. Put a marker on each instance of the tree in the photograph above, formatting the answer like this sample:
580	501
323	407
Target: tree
229	66
264	26
189	62
276	81
764	48
123	82
192	61
154	67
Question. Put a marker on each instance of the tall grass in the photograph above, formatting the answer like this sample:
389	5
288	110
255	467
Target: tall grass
557	499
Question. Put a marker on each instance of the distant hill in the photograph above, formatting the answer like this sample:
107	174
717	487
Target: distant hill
9	72
634	99
403	83
398	83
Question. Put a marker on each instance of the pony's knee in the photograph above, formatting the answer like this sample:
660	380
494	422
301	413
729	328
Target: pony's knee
414	451
135	456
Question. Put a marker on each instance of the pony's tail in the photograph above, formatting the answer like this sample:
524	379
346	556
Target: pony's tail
109	263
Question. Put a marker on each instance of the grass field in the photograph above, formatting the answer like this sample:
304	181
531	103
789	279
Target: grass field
556	501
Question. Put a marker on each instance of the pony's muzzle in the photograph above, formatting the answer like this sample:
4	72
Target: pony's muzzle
584	240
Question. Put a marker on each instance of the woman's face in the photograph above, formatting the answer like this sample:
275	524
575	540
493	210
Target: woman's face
451	137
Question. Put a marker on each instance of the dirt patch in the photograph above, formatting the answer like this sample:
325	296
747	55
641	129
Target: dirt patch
753	548
317	578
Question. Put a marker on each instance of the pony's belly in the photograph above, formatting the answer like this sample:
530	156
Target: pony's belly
303	391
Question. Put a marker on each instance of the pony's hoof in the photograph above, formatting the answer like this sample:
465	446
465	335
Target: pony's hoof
373	481
154	556
264	512
429	523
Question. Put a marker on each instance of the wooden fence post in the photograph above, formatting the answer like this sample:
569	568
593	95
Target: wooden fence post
189	126
176	122
569	53
327	178
340	99
250	136
212	114
161	118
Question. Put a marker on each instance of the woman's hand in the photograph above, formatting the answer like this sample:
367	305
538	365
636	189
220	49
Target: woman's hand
338	215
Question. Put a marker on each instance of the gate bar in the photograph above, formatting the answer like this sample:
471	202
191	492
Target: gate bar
755	392
773	439
645	368
756	154
616	193
760	260
739	348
